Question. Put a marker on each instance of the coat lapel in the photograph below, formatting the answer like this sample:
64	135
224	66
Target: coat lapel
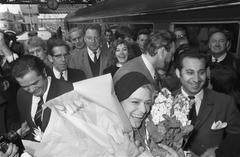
86	64
205	110
145	70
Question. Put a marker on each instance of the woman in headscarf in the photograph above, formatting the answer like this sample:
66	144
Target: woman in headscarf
135	93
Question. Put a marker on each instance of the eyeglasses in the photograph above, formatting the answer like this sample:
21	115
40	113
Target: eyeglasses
62	55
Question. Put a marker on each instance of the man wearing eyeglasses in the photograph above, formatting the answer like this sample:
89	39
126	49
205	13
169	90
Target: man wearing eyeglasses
58	54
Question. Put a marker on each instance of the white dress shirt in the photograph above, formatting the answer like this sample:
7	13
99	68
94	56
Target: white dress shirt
36	99
91	54
57	74
198	99
219	59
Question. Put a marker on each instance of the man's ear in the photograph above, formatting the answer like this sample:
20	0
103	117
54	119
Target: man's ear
161	52
228	45
177	71
50	58
45	72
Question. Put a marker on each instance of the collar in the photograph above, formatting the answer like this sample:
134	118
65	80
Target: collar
35	98
57	74
148	65
199	95
219	59
198	98
91	54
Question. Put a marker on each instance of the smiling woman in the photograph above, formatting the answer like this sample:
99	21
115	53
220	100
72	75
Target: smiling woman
135	94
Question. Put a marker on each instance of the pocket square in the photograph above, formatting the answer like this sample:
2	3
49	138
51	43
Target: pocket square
218	125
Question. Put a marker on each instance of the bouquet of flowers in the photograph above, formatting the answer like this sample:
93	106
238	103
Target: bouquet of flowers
168	123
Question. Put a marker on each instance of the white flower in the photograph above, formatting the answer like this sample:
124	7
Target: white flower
38	134
165	103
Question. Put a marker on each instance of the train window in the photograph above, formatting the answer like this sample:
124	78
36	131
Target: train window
198	32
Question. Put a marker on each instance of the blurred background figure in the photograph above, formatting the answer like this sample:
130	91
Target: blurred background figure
12	43
120	51
142	39
75	36
108	38
59	32
35	46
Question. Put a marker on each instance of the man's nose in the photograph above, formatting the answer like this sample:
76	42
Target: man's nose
196	78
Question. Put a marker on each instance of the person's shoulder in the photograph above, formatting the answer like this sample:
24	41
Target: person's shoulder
219	98
76	71
61	83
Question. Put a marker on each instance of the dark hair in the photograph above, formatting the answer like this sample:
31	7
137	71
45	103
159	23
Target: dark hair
144	32
115	45
27	63
162	38
51	43
123	32
96	27
108	30
190	53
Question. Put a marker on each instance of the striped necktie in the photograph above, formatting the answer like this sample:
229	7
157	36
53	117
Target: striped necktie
38	115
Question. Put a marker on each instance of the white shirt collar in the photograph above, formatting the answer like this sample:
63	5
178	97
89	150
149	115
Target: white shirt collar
91	54
148	65
36	99
219	59
198	98
57	74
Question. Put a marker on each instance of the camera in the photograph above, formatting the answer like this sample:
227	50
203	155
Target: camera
11	137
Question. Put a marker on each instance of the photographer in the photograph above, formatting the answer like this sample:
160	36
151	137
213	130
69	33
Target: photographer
12	151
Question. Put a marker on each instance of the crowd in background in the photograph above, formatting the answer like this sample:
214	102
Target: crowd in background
89	52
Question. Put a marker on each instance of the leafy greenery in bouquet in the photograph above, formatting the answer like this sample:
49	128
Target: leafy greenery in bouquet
168	122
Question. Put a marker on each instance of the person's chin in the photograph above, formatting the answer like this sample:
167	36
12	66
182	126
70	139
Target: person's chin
136	123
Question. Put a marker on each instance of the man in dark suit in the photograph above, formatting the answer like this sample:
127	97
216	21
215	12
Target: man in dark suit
36	89
158	54
92	59
219	43
214	115
58	51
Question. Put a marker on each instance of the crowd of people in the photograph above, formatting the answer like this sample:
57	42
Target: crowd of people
45	70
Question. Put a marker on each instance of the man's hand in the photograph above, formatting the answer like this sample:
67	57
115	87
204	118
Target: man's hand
11	151
209	152
23	131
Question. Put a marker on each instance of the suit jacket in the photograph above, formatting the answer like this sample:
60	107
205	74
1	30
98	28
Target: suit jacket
80	61
134	65
214	107
24	102
74	75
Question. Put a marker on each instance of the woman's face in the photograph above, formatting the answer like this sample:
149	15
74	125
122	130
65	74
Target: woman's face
121	53
137	105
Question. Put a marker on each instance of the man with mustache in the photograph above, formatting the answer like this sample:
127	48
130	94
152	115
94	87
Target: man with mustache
214	115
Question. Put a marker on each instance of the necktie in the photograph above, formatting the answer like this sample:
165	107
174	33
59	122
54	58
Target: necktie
95	57
192	113
61	76
215	60
38	115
